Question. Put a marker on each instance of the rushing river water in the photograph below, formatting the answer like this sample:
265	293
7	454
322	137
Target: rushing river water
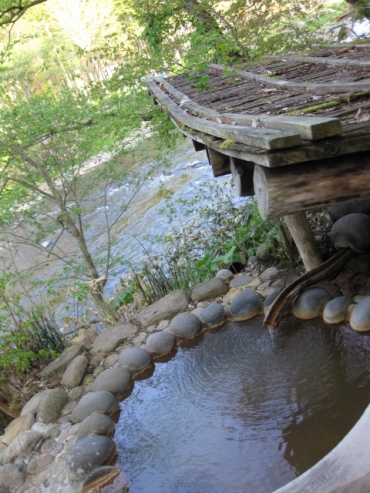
187	175
240	412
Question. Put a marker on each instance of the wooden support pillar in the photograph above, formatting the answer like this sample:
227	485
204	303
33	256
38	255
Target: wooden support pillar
220	162
242	172
303	238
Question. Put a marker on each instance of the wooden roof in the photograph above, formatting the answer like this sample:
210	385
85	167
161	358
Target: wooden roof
309	111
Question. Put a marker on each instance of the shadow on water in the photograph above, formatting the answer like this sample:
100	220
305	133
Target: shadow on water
240	409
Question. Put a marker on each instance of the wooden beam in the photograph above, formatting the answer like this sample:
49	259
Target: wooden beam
306	186
304	239
219	162
242	173
307	127
341	87
259	137
321	60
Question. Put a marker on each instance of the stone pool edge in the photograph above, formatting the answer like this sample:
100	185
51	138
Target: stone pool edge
44	443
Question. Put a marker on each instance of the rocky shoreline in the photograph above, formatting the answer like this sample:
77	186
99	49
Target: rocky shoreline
62	441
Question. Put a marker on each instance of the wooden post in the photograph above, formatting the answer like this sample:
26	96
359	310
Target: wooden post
219	162
242	172
303	238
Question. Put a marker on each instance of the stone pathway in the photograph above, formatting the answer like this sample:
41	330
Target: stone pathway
62	442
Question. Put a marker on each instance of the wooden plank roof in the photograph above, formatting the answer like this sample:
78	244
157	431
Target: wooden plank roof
281	86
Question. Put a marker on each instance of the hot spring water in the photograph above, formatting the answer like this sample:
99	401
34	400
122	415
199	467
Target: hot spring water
237	410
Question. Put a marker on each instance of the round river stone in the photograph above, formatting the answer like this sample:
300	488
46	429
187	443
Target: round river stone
360	317
135	359
224	274
208	289
160	343
185	325
310	303
96	424
212	315
246	304
352	231
114	380
100	401
335	311
87	454
75	372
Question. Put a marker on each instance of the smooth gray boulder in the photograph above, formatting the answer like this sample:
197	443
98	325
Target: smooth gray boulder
88	454
58	366
12	476
310	303
100	401
239	281
51	405
224	274
352	231
107	341
135	359
338	211
208	289
31	407
185	325
75	372
212	315
263	252
335	311
160	343
269	274
246	304
22	445
360	317
115	380
96	424
165	308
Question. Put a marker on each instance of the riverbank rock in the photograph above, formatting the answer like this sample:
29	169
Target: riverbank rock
165	308
22	445
160	343
107	341
208	289
96	424
212	315
59	365
263	252
360	317
51	405
11	477
85	337
22	423
352	231
185	325
246	304
135	359
338	211
75	372
100	401
239	281
310	303
33	404
224	274
335	311
115	380
87	454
